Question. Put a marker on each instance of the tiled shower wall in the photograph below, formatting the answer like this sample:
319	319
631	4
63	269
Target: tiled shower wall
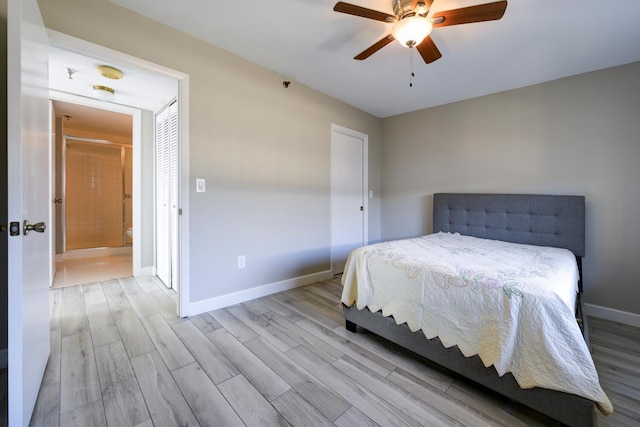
94	194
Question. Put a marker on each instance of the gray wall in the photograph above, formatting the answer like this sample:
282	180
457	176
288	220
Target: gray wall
265	154
59	184
147	208
264	151
578	135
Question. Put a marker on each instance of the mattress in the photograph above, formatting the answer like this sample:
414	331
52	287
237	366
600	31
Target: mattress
510	304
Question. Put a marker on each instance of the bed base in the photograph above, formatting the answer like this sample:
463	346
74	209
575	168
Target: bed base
568	409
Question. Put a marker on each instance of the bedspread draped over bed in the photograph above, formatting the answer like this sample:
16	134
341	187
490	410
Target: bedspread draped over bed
511	304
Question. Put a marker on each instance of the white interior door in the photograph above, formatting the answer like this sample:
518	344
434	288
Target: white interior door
348	189
28	196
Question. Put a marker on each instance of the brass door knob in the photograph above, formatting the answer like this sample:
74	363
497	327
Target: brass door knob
38	227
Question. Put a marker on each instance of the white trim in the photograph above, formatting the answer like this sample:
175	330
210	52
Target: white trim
51	216
222	301
147	271
84	47
184	284
613	315
136	148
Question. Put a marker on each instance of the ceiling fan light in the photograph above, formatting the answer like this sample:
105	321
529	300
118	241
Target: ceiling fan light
104	93
412	30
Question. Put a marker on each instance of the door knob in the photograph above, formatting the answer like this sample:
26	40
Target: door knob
57	200
38	227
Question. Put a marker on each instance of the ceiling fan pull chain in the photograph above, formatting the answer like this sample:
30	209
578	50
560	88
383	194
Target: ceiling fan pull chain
411	73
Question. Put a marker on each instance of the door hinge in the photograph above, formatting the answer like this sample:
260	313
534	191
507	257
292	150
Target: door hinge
361	208
179	211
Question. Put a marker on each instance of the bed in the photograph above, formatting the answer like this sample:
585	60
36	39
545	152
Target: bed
394	293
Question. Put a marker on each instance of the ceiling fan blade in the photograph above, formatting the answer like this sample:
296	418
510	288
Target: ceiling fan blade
363	12
374	48
467	15
428	50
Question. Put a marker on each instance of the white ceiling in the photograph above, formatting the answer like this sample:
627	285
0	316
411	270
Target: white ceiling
138	88
307	42
95	120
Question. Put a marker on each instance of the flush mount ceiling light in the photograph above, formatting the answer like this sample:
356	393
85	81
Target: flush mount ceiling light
110	72
103	93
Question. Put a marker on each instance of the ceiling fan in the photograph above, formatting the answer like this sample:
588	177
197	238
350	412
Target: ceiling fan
412	27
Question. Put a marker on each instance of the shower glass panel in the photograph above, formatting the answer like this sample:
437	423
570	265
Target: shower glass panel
94	192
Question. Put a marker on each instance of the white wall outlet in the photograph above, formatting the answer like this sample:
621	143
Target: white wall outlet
242	261
201	185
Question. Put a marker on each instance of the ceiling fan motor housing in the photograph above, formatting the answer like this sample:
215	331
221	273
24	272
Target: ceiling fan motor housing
402	8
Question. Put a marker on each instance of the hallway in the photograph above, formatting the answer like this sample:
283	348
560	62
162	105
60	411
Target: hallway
72	272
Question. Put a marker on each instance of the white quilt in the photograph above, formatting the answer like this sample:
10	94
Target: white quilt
511	304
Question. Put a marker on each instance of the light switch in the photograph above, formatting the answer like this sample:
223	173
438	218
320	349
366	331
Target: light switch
371	194
201	185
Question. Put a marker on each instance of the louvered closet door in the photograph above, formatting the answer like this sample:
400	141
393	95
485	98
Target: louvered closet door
167	195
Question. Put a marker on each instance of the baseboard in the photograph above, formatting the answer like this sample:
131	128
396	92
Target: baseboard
613	315
4	358
226	300
146	271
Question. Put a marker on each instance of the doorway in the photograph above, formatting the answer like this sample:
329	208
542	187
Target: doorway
28	193
149	81
349	187
94	194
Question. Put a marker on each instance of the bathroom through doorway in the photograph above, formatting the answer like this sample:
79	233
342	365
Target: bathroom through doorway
94	194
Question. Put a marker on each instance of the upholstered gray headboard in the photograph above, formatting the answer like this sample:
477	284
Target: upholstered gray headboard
543	220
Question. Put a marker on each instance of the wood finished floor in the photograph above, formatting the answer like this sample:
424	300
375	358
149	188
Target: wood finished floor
120	357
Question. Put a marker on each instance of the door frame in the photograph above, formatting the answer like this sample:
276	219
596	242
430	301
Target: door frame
52	193
83	47
365	179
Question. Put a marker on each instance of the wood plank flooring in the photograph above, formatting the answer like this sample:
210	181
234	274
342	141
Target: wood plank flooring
120	357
